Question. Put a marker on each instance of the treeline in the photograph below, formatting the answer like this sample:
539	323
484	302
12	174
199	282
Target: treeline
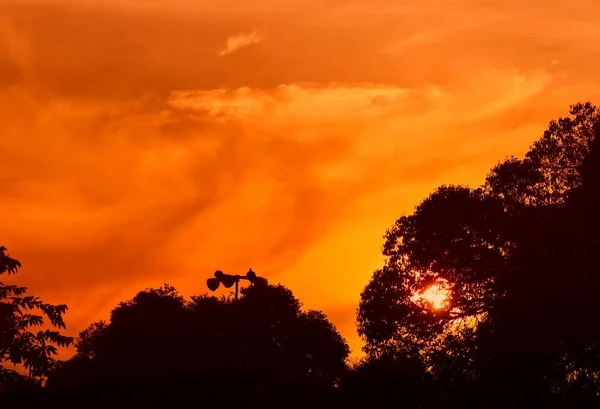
516	259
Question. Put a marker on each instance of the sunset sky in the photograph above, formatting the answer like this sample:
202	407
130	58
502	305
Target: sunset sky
152	141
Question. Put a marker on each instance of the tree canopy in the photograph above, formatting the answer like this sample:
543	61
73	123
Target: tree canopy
262	346
516	260
20	314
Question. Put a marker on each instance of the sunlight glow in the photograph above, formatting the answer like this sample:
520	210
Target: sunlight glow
436	295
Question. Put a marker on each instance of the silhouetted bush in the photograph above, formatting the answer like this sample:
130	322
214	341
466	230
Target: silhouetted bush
262	347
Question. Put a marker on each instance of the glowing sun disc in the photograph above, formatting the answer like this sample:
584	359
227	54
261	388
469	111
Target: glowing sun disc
435	295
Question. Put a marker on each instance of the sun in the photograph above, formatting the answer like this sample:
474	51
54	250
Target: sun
436	295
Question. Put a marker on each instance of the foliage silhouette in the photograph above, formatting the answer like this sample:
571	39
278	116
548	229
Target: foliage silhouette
19	343
517	259
262	347
393	380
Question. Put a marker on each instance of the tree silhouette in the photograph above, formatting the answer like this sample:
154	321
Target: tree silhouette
550	287
158	345
517	260
451	240
19	314
395	380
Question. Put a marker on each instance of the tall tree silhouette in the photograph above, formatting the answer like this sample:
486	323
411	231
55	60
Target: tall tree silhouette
548	306
19	343
19	314
260	347
451	240
516	257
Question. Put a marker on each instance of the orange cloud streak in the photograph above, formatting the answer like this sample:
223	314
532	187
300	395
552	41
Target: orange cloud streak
131	154
242	40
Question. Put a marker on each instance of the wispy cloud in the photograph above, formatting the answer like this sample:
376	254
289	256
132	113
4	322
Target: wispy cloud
241	40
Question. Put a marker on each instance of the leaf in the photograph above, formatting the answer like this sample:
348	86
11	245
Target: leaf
18	345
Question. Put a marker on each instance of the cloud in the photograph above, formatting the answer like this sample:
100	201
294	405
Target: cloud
105	197
307	104
110	181
417	39
241	40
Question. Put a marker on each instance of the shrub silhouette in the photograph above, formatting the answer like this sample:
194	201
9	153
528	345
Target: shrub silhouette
262	347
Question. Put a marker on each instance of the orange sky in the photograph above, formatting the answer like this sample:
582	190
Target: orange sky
151	141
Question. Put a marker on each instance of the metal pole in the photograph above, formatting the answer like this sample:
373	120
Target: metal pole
236	288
